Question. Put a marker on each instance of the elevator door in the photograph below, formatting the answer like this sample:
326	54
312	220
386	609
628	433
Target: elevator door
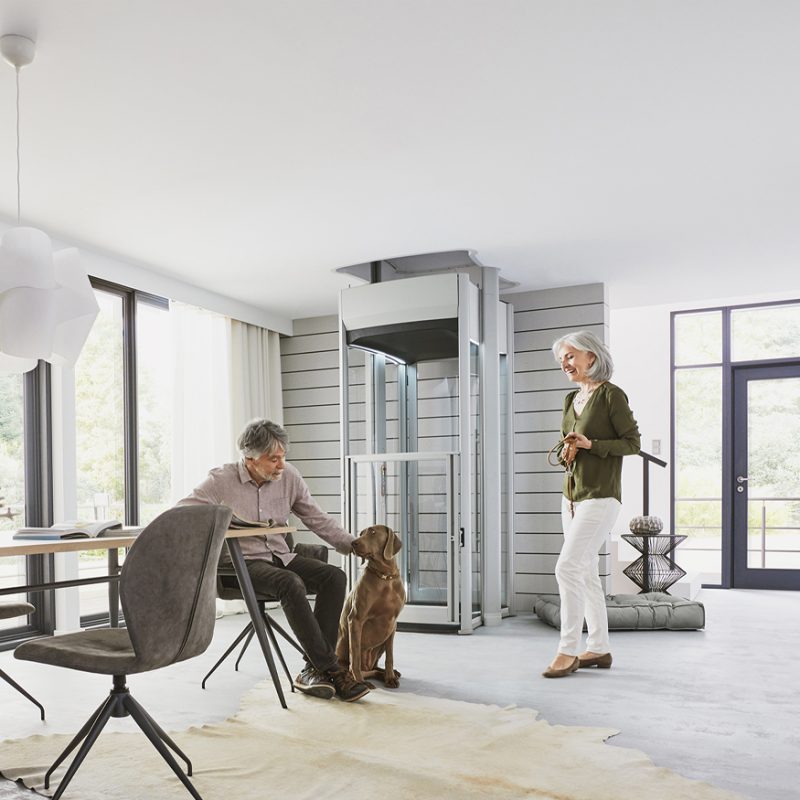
414	494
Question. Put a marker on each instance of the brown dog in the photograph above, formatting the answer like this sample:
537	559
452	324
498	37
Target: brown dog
369	616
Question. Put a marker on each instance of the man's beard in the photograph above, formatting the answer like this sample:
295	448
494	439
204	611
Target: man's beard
270	477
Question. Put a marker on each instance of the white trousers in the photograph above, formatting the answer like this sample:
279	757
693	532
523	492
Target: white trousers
578	575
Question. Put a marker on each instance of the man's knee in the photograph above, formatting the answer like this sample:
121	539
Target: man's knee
337	578
287	587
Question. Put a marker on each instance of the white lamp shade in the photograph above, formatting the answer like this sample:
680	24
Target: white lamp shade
47	305
26	259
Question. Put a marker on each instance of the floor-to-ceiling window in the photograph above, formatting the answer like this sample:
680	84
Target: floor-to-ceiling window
128	382
155	376
123	405
12	480
736	400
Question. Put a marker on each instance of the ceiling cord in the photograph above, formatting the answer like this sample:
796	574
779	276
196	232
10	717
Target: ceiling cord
16	69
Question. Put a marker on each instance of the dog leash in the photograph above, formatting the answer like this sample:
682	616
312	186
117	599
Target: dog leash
565	457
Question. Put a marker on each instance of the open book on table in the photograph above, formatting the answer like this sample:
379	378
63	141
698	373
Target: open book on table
239	523
77	530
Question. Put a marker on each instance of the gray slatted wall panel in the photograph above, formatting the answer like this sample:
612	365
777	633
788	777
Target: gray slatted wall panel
539	387
310	362
310	369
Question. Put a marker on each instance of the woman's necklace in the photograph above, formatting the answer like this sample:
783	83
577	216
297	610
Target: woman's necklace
584	393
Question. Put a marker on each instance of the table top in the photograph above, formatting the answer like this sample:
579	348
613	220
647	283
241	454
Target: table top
28	547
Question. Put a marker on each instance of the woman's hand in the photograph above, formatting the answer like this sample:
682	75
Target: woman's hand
578	440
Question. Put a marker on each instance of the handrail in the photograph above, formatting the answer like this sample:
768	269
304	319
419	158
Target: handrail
651	457
647	459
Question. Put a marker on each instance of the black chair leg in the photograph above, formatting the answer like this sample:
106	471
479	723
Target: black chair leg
6	677
99	721
129	700
120	704
78	737
248	629
289	638
245	646
274	642
154	734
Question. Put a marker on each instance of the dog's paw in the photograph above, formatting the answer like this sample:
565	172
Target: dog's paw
393	681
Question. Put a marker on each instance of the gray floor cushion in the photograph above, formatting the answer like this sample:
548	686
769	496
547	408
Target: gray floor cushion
632	612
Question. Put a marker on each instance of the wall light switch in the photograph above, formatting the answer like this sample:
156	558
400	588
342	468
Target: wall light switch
656	447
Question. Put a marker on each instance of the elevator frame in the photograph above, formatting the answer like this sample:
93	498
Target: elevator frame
479	323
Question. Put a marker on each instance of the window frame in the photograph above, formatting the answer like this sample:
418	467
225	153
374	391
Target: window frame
727	366
38	454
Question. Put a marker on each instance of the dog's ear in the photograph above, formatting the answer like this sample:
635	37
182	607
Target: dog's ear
393	544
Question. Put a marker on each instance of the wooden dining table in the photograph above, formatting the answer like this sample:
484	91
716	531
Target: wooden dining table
126	538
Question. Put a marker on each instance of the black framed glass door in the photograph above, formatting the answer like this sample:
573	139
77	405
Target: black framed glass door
766	476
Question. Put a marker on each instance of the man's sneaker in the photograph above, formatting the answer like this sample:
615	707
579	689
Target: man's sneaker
347	687
311	681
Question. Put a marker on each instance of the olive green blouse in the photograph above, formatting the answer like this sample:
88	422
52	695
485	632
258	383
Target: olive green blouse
607	420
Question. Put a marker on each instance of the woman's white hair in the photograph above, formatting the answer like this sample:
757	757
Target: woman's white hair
603	367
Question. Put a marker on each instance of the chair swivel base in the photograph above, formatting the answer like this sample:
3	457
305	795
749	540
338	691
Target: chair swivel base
247	634
120	703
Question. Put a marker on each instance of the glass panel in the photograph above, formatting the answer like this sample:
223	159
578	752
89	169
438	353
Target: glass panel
698	470
12	482
424	519
504	521
766	332
437	406
100	437
698	338
358	362
773	474
154	381
477	478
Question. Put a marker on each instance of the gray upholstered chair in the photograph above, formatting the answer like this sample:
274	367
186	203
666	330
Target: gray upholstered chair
228	589
167	590
8	610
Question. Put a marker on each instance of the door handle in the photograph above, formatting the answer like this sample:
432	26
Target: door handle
740	479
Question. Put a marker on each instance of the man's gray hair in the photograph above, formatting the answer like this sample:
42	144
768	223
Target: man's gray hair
603	367
261	436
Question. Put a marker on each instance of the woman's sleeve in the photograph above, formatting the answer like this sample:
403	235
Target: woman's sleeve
628	438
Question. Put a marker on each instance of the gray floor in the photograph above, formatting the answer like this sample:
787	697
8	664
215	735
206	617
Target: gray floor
720	705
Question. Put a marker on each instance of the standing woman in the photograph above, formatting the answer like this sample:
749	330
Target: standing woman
598	429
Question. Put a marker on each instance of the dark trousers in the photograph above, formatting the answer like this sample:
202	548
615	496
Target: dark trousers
315	630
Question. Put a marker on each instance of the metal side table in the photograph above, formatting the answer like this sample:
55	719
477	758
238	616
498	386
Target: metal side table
655	570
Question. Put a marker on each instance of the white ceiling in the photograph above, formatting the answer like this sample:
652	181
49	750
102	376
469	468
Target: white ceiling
253	146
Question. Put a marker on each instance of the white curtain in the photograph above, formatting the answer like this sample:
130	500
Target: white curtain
255	374
203	431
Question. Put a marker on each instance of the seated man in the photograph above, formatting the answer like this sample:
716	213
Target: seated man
262	486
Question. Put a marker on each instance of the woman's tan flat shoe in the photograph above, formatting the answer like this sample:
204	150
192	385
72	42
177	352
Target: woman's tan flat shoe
601	662
560	673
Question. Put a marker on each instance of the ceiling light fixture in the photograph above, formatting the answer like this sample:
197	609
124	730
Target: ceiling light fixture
47	305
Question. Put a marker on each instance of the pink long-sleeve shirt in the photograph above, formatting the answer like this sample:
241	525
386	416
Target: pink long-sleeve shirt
231	485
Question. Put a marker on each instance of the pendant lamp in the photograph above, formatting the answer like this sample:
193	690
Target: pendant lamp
47	305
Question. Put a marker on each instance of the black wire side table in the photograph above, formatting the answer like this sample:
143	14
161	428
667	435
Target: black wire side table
655	570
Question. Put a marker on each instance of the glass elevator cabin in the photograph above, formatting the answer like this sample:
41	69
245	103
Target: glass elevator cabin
426	438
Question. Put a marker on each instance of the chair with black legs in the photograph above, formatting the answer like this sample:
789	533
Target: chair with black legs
8	610
228	589
167	590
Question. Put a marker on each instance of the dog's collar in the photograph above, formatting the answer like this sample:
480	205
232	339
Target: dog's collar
382	575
